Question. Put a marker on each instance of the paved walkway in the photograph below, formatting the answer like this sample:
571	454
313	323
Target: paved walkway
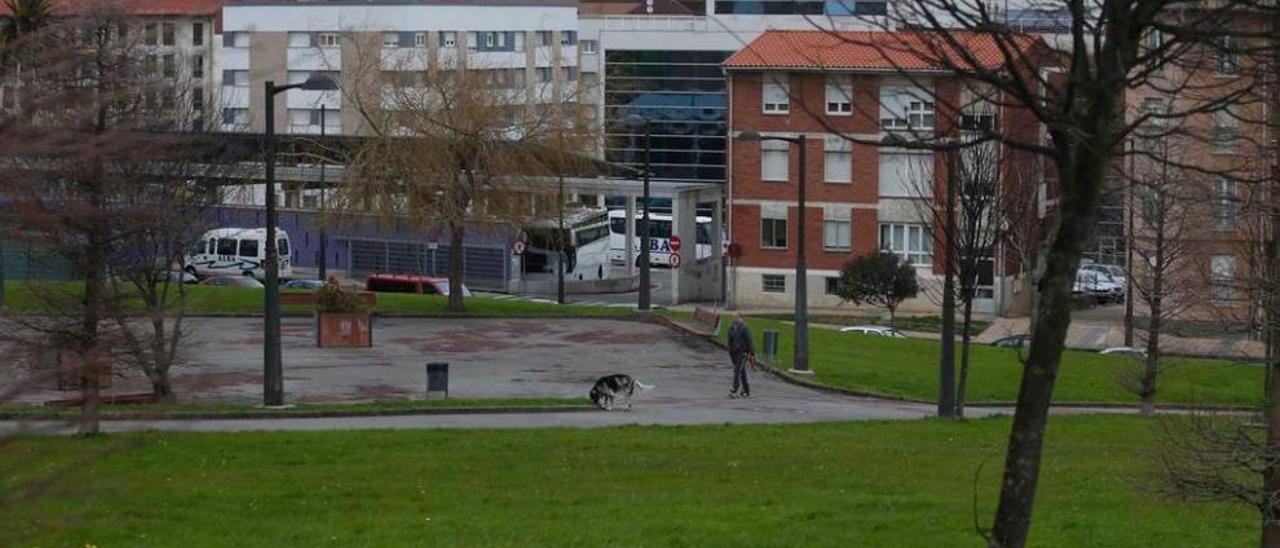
492	358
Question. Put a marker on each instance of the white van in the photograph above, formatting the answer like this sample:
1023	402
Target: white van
237	251
659	238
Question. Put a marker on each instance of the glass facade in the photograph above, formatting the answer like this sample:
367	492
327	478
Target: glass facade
683	95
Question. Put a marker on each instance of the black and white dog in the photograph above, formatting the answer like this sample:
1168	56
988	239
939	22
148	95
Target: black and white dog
615	390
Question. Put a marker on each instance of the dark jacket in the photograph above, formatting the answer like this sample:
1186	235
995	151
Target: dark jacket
740	343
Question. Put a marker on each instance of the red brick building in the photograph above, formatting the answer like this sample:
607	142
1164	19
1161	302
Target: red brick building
850	95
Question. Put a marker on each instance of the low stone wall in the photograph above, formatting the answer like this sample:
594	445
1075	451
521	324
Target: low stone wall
578	287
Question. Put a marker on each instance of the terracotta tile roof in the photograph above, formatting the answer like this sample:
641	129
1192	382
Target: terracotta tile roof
134	7
872	51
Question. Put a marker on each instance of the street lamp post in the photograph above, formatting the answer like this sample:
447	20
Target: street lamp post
324	252
637	121
801	351
273	371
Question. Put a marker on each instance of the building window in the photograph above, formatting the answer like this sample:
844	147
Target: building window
1225	58
197	34
167	34
833	286
197	99
773	226
1226	127
837	160
150	34
906	107
773	160
235	116
326	40
8	97
773	283
448	39
835	235
150	64
1222	271
543	74
239	78
490	39
982	121
906	174
197	66
1224	204
911	242
570	73
544	37
237	40
390	40
588	46
775	94
419	39
568	37
170	65
839	95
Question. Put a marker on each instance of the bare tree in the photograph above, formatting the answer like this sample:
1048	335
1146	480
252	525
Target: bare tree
457	147
94	186
1073	87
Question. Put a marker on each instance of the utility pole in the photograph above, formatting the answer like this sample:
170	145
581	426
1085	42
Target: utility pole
324	252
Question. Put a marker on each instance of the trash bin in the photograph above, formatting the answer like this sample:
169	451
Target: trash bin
770	344
438	380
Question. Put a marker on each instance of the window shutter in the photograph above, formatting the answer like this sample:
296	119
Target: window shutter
228	39
228	77
314	39
773	211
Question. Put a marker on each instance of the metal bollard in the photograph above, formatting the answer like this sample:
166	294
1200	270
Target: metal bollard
438	380
770	344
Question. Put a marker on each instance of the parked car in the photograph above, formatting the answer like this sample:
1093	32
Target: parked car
874	330
1098	286
1013	341
409	283
1114	272
233	281
1125	351
303	284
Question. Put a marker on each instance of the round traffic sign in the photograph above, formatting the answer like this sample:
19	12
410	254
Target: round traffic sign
675	243
517	247
675	260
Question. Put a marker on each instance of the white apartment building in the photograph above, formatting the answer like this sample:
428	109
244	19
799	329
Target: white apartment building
531	44
176	42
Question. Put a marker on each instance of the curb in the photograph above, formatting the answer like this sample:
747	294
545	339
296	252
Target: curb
239	415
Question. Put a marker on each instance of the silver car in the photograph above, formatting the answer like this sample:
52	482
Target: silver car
874	330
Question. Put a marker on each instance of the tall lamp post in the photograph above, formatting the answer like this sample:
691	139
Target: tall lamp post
801	352
639	122
273	372
324	252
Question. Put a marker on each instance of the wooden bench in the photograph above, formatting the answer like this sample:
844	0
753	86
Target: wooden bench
310	298
708	319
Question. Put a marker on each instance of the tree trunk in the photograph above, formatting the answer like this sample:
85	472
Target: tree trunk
1082	174
456	256
962	384
1151	368
91	361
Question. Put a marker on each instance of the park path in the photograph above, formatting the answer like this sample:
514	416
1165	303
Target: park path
496	358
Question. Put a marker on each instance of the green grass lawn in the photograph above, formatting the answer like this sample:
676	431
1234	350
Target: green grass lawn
367	408
893	484
909	368
205	300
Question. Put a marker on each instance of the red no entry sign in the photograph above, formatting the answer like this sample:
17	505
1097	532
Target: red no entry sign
675	243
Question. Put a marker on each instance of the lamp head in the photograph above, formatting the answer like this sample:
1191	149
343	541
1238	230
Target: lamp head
319	82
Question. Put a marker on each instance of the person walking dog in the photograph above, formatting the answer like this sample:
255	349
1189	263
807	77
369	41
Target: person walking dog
742	351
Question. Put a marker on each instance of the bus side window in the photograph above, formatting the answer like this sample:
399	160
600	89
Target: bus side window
226	246
211	246
249	248
282	247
